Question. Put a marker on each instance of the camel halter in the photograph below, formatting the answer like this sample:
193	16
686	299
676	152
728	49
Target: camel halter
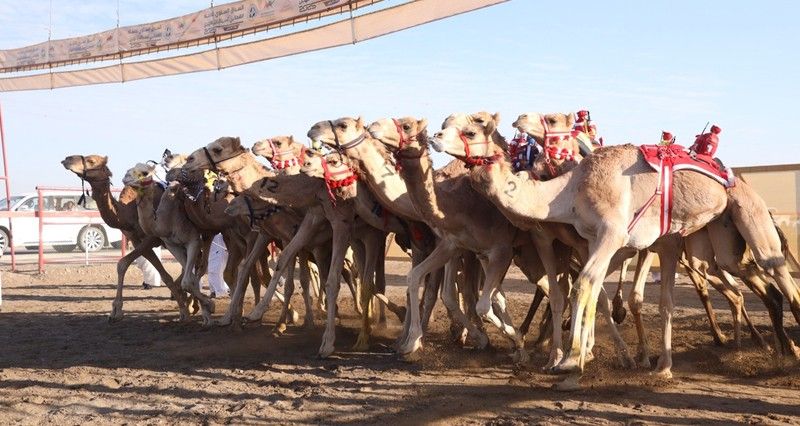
551	149
475	161
84	192
264	214
403	143
214	166
352	144
285	164
331	183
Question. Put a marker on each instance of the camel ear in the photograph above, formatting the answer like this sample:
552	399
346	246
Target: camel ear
570	119
422	123
166	153
496	118
291	140
105	159
360	122
238	141
490	128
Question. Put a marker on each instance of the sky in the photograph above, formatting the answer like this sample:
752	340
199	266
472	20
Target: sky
639	67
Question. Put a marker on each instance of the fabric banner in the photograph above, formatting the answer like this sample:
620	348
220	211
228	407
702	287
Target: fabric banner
348	31
223	21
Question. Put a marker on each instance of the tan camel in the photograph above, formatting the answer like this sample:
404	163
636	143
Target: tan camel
392	133
600	197
699	248
283	152
243	170
172	226
561	154
121	214
483	230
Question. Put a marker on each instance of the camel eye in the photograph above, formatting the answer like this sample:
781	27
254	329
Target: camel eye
523	116
342	126
406	127
551	120
470	134
479	120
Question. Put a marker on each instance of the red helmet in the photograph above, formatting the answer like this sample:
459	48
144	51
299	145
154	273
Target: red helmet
583	115
666	136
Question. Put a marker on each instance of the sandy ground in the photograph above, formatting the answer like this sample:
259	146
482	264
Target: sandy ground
63	363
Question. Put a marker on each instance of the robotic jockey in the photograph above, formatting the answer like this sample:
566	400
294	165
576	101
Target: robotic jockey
706	144
587	133
666	139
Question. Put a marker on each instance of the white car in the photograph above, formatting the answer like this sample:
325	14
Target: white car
63	233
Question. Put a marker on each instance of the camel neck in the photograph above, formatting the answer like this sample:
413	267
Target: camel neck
383	178
523	200
110	208
418	175
247	172
149	198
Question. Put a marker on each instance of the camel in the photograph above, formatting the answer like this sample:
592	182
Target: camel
121	214
243	171
173	228
561	154
283	153
698	247
599	198
462	221
393	134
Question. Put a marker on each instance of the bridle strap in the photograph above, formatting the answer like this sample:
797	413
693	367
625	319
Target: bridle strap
210	160
352	144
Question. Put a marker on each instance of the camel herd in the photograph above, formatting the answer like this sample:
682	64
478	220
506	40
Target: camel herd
566	222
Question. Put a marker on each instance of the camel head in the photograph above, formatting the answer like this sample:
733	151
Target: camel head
342	133
89	167
540	126
172	161
335	169
401	133
139	176
469	143
216	155
281	151
482	119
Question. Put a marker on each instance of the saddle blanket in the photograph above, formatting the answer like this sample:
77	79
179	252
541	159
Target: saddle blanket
676	156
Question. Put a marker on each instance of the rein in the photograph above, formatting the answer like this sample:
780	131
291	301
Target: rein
403	143
251	212
332	184
352	144
84	192
472	161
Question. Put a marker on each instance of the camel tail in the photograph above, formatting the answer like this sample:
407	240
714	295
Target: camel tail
785	246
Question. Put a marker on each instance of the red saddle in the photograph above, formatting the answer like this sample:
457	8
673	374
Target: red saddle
678	158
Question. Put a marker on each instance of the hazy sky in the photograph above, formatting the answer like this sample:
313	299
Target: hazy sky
640	67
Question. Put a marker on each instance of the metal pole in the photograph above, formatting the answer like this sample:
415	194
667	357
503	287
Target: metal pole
41	229
8	194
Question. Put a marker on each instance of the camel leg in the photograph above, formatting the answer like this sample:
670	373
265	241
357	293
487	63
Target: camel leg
287	313
669	251
544	247
731	291
618	311
729	249
122	268
451	302
342	227
538	296
429	296
174	288
374	242
353	265
305	283
701	286
234	313
469	288
308	227
410	341
584	302
191	282
495	266
636	301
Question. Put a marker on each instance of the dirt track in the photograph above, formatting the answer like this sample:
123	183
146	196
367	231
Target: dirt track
62	362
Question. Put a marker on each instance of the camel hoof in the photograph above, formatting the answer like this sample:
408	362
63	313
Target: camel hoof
589	357
665	373
520	356
627	363
362	343
325	351
569	384
482	341
618	314
293	317
223	322
279	329
566	366
113	318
